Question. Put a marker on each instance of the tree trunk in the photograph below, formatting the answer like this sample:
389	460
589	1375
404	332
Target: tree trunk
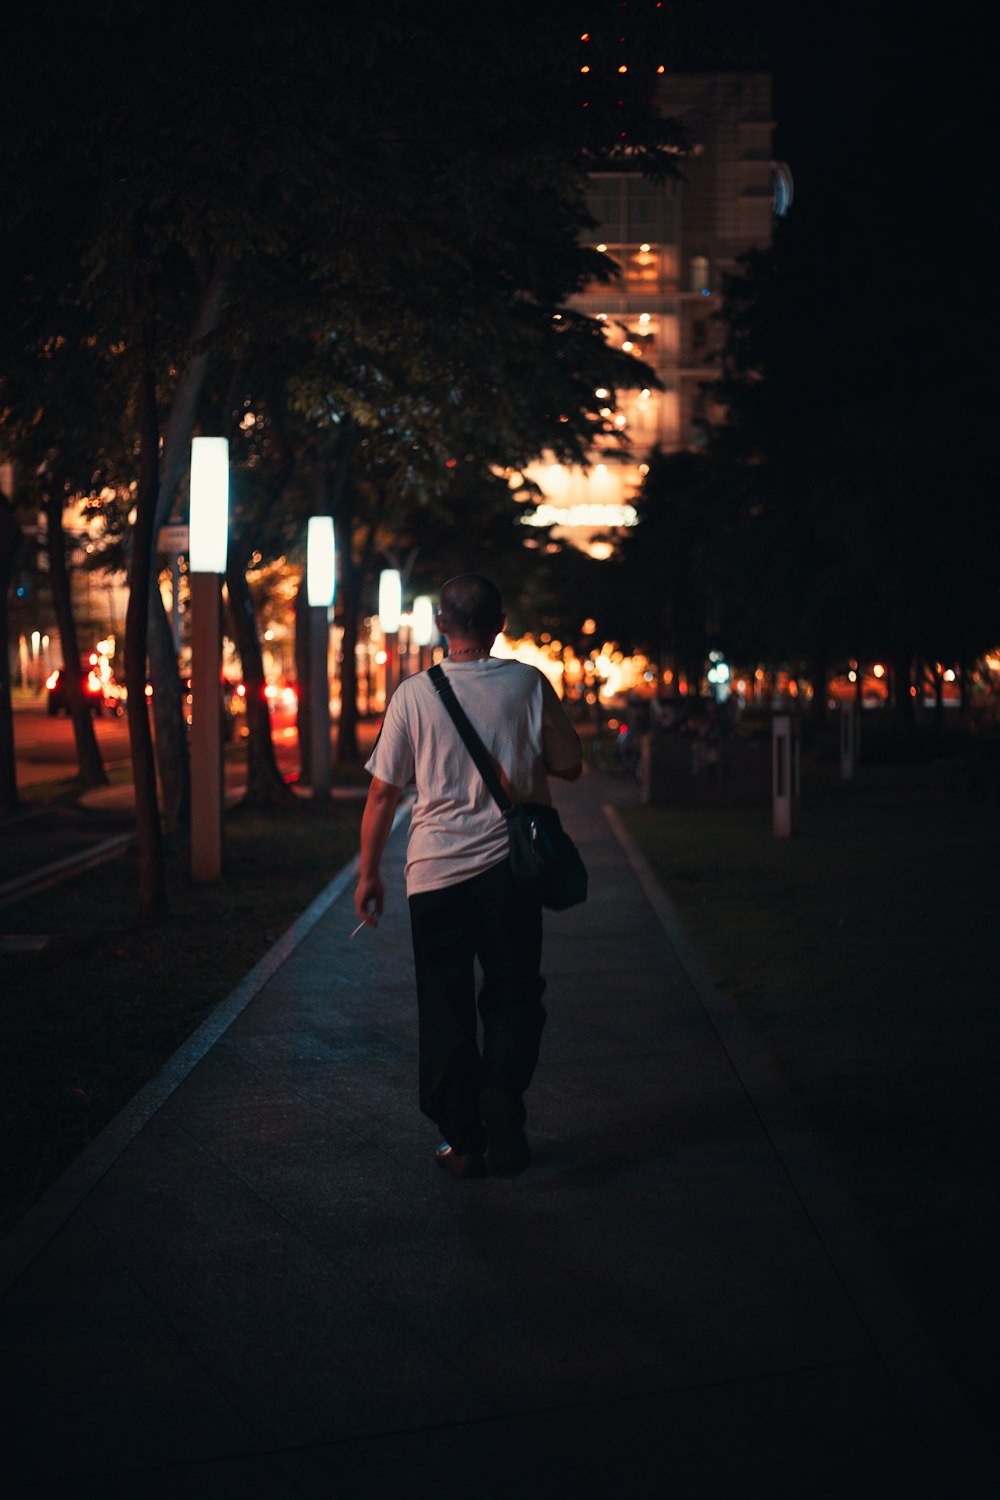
9	535
172	756
303	669
938	671
149	833
265	783
152	876
168	688
906	717
353	578
88	756
347	725
818	711
348	753
963	696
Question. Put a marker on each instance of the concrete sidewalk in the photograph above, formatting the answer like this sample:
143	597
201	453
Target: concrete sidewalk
257	1284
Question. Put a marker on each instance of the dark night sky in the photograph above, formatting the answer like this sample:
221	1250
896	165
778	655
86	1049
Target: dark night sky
898	89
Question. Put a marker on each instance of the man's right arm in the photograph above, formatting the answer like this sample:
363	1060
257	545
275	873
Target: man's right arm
376	825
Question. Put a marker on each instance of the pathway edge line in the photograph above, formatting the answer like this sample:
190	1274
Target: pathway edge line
927	1390
28	1237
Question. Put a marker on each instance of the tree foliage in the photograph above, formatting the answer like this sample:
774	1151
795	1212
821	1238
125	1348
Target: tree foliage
375	211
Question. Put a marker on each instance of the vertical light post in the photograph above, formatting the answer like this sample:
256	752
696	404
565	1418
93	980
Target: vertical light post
321	581
207	562
390	607
423	628
786	775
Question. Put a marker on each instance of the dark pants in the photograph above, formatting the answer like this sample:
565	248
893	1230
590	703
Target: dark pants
492	919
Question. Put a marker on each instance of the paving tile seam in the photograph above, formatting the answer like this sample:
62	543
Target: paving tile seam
26	1239
942	1422
24	886
225	1390
85	1473
221	1395
527	1416
442	1347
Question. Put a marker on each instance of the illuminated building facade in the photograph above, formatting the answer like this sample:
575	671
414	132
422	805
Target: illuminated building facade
673	243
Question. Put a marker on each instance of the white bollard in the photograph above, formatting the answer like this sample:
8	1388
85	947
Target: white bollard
786	765
850	740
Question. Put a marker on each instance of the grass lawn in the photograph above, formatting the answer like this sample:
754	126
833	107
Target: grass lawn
862	954
86	1021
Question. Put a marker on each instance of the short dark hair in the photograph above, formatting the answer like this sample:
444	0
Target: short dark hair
470	605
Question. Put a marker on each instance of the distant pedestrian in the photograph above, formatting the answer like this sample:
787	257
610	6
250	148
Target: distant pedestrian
464	903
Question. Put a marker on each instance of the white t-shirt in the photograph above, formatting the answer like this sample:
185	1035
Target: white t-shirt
456	829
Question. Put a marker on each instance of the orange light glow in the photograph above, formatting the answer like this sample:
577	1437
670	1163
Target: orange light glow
623	69
585	69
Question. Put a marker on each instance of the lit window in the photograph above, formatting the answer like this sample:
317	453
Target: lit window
699	273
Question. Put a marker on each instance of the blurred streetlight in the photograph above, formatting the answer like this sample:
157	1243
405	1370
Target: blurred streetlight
390	607
321	583
207	561
423	626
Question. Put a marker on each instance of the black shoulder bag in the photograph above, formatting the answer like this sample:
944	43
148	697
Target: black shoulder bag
543	857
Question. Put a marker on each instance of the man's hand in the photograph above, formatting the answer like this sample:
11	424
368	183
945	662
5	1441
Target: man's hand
369	899
376	824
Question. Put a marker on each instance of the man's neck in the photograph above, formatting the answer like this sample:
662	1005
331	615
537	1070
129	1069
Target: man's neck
462	649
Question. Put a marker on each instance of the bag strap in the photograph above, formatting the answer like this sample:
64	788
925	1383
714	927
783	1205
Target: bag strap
470	738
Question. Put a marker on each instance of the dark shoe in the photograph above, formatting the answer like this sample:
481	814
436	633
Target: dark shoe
469	1164
507	1147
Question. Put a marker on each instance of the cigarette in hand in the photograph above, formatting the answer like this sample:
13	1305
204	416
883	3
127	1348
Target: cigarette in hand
357	929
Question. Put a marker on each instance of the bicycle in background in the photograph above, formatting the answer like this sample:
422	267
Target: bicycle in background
615	748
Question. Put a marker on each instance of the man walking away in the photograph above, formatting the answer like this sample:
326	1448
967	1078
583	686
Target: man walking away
464	903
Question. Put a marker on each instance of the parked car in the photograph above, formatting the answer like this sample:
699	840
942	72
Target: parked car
58	694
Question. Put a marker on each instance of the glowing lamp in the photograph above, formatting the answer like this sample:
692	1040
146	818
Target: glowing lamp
390	600
423	620
321	562
209	504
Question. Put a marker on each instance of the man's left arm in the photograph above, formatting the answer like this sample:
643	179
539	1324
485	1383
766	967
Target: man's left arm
560	745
